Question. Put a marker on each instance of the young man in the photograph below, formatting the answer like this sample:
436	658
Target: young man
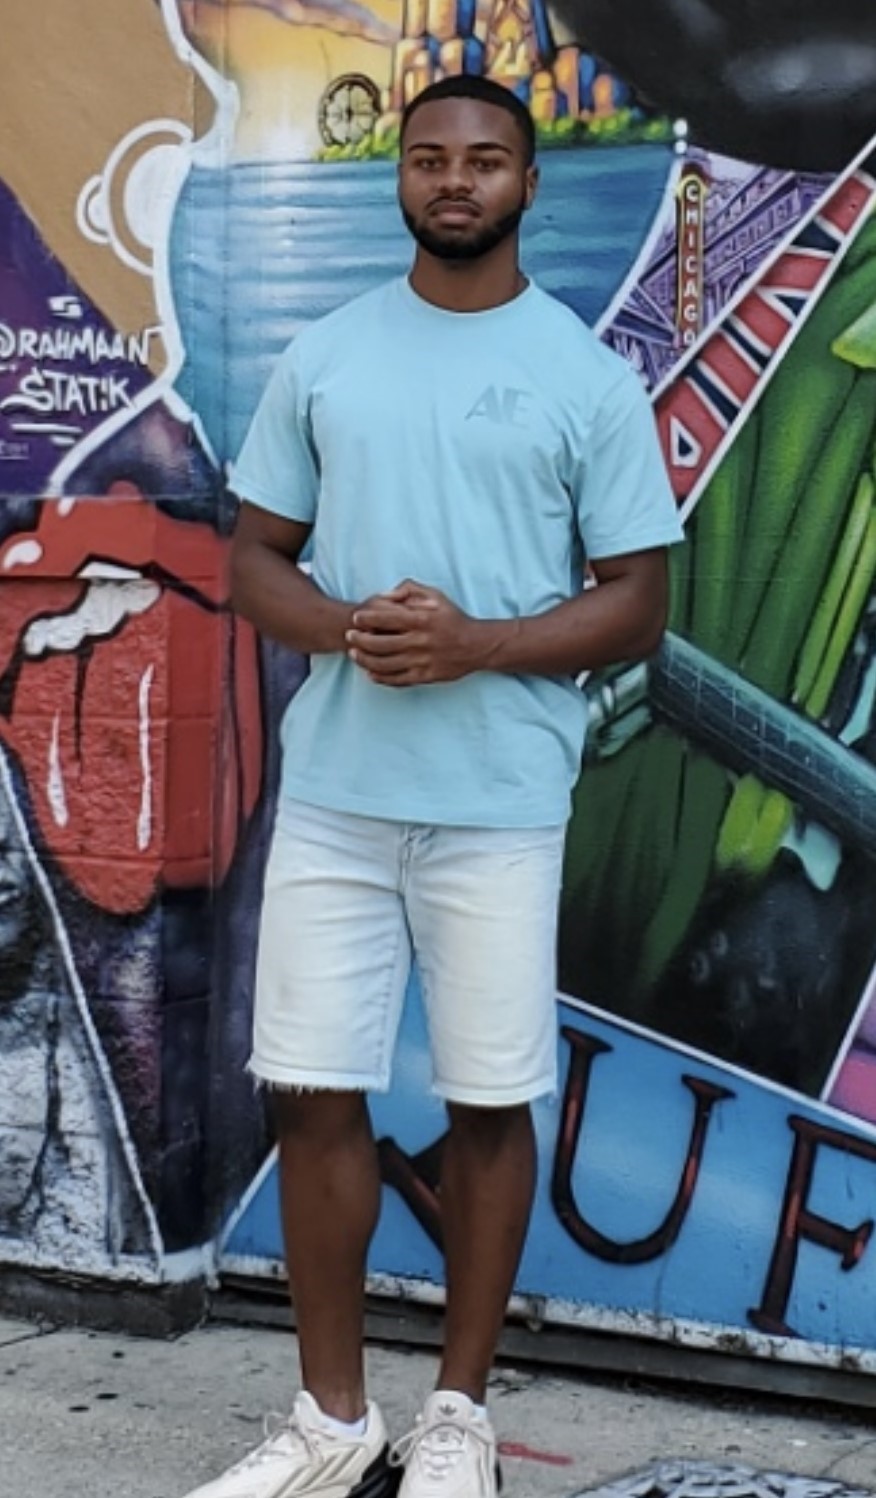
454	444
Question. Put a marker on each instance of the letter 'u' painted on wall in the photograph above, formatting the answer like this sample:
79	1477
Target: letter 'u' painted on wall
584	1049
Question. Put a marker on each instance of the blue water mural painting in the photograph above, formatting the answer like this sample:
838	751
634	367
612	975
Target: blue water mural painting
709	1169
289	243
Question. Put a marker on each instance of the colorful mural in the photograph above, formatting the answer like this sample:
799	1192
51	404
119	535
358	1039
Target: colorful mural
130	707
715	1019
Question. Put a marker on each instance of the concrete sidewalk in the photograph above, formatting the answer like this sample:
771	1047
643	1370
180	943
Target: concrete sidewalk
111	1417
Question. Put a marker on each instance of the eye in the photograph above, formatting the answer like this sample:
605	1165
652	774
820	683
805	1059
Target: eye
427	163
487	164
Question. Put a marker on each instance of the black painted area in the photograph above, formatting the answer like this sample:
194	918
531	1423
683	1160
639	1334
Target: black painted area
787	83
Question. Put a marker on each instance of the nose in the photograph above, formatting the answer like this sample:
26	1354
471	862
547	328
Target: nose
457	179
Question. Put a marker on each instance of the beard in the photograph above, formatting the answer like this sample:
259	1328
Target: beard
450	247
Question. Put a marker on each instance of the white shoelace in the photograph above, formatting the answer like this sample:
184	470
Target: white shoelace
284	1437
439	1445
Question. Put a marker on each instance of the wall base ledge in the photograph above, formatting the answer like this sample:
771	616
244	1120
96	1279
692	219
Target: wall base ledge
572	1349
146	1310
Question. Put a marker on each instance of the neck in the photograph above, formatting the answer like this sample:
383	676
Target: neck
469	285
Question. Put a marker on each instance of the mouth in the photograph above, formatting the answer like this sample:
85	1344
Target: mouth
454	213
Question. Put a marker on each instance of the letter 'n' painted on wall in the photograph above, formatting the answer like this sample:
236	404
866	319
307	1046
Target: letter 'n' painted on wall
585	1048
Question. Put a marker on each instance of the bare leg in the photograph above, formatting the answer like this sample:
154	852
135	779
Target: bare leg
487	1182
330	1197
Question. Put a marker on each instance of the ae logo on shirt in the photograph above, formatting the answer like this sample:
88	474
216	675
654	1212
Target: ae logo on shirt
504	408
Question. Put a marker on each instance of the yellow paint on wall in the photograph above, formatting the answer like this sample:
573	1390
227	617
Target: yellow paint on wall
74	79
282	71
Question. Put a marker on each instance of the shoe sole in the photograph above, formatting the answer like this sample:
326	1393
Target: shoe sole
380	1480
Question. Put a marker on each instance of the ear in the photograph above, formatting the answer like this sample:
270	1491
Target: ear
531	185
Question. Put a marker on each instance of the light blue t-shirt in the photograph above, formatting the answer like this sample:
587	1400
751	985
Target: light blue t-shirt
485	454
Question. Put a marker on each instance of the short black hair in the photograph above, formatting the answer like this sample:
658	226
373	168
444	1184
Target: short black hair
485	91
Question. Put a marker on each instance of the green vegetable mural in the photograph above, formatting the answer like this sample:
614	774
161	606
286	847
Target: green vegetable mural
701	898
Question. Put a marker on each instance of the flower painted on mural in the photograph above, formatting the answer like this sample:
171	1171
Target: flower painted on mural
129	695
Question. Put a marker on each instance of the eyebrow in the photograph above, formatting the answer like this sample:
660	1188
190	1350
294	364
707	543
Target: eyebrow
479	145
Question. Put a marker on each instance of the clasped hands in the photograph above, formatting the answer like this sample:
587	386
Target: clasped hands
414	636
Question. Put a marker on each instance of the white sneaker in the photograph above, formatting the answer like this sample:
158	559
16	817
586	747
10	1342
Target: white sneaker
450	1453
303	1455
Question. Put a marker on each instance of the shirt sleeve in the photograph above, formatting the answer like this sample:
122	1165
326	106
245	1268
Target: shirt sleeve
623	498
278	467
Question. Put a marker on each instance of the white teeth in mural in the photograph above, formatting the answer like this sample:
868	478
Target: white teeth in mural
55	785
144	819
109	570
105	606
23	554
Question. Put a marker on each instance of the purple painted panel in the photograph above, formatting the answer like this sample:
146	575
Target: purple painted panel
63	369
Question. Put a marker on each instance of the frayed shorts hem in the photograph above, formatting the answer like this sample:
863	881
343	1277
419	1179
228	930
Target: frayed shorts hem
289	1079
496	1097
286	1079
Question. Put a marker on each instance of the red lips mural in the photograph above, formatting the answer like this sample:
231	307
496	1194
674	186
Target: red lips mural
129	695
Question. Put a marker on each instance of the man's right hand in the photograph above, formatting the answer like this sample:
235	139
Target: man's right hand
415	636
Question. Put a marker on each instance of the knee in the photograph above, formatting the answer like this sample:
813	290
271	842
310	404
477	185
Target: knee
489	1128
317	1118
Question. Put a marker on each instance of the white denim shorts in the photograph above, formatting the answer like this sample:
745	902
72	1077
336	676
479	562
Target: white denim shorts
350	901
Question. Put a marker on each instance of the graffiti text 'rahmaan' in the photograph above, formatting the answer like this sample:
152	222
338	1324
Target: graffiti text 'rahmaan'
76	393
64	345
417	1178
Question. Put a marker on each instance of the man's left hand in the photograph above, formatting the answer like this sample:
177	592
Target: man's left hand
413	636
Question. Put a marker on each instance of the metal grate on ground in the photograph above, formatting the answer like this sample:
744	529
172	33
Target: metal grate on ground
682	1479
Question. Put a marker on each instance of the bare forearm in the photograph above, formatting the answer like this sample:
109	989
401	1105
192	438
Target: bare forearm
285	604
603	626
416	635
